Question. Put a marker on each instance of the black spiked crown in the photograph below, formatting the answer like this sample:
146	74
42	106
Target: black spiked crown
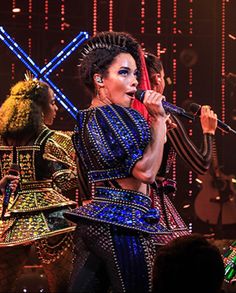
105	40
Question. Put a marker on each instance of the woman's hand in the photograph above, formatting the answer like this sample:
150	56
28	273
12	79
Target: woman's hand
14	180
147	167
170	124
153	102
208	120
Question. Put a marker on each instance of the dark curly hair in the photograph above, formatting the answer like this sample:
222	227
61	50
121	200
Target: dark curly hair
21	113
154	65
99	52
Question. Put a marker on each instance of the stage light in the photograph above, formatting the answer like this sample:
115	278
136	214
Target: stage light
16	10
231	36
186	206
63	54
49	67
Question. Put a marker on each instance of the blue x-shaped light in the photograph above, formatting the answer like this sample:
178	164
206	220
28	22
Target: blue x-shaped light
49	67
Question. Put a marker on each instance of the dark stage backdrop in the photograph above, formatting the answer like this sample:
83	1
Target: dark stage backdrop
196	41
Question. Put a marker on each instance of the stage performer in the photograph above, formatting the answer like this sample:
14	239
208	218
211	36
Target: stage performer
120	155
178	142
33	213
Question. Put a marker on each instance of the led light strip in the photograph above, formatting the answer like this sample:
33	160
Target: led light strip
63	54
48	68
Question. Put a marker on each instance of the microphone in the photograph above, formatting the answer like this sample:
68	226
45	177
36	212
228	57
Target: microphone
13	170
168	107
195	109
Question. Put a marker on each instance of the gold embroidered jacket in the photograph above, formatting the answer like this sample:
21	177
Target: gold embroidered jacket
47	168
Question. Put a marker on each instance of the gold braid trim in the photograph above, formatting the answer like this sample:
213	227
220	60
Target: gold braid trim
59	148
49	253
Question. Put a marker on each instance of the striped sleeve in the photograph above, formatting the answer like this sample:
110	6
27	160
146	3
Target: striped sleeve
198	160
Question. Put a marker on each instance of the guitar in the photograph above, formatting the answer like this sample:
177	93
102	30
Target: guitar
216	202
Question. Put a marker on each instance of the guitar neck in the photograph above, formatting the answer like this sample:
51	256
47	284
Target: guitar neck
215	163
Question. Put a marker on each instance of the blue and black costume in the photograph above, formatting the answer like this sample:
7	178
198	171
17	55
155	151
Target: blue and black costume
115	232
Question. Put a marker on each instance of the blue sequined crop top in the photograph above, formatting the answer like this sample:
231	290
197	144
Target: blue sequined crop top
109	140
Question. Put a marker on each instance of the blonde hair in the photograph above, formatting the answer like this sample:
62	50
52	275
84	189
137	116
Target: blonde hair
21	112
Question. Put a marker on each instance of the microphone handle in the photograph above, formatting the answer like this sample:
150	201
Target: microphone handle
8	192
175	110
6	199
168	107
224	127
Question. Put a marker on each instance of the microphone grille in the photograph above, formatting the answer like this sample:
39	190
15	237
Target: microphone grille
194	108
140	95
